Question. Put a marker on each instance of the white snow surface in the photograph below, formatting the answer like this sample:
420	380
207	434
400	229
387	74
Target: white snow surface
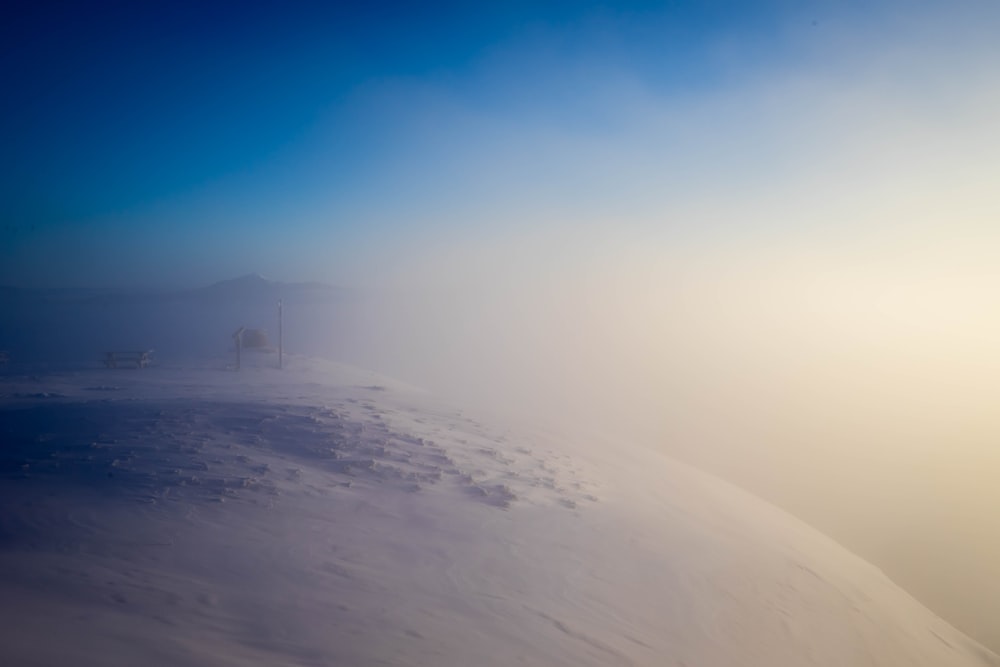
322	515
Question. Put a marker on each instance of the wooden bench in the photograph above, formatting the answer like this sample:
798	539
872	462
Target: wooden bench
128	359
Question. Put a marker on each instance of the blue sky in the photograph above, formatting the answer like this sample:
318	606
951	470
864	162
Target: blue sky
147	131
295	139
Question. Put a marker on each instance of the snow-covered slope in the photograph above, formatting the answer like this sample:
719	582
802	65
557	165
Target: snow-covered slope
325	516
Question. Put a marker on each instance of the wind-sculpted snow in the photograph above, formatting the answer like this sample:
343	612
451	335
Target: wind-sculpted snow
324	516
176	451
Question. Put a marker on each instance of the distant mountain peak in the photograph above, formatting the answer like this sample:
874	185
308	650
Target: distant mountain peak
248	280
251	284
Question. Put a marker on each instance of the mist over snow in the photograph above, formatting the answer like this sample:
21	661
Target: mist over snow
325	515
190	513
630	333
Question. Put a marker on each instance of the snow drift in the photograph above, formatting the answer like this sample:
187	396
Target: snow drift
327	516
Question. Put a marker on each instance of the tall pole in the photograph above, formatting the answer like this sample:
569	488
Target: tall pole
281	340
238	337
